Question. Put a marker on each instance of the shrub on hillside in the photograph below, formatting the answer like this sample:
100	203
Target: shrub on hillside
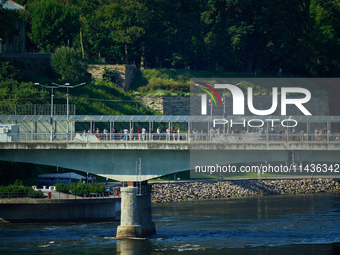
110	75
68	63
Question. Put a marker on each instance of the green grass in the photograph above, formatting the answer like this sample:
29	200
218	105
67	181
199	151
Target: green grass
176	82
100	98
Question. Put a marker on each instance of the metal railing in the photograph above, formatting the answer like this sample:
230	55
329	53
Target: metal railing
36	109
171	137
106	194
16	195
57	195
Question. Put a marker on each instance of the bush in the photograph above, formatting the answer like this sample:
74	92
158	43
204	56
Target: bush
7	72
110	75
17	188
35	194
68	63
80	188
61	187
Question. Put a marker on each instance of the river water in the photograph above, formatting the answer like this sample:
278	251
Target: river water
301	224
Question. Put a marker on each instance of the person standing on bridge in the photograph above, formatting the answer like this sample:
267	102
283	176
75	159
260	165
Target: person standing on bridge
113	131
105	133
315	135
53	136
97	133
167	134
125	133
158	133
151	134
143	133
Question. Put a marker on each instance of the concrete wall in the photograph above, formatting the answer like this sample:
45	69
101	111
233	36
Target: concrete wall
125	74
144	205
28	210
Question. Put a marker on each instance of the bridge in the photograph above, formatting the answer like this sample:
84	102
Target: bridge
117	159
137	157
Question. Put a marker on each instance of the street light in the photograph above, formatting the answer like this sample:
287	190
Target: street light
67	86
51	120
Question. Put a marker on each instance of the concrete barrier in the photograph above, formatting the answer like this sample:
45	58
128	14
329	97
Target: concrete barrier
53	210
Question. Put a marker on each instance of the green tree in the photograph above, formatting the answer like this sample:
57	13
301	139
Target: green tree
255	34
68	63
53	23
125	20
13	91
7	19
326	35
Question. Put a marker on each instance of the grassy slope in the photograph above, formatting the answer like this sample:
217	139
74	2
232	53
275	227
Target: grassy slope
176	82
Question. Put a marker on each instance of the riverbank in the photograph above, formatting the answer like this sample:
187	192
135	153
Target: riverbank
174	192
63	210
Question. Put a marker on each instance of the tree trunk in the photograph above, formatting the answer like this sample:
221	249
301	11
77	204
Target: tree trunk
81	43
142	62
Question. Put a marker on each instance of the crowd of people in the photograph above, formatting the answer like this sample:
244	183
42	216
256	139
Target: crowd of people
141	134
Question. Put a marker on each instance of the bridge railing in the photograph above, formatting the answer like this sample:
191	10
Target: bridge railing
173	137
57	195
9	195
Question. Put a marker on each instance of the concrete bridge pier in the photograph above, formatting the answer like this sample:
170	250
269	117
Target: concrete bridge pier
136	217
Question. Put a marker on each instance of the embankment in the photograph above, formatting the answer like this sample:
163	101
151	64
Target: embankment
173	192
45	210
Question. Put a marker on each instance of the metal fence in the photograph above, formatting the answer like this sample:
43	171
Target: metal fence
174	137
36	109
16	195
106	194
56	195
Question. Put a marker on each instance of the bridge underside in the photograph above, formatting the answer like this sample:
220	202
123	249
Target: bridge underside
121	164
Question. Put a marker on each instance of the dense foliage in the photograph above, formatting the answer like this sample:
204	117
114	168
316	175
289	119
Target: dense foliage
176	82
12	91
7	19
302	37
17	188
80	188
95	98
68	64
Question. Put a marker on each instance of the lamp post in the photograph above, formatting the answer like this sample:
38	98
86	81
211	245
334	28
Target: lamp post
67	86
51	120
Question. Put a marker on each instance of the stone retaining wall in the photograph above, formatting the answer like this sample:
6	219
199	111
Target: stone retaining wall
125	74
199	190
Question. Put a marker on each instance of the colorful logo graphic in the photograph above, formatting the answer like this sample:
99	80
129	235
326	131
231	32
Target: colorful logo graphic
208	92
239	99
